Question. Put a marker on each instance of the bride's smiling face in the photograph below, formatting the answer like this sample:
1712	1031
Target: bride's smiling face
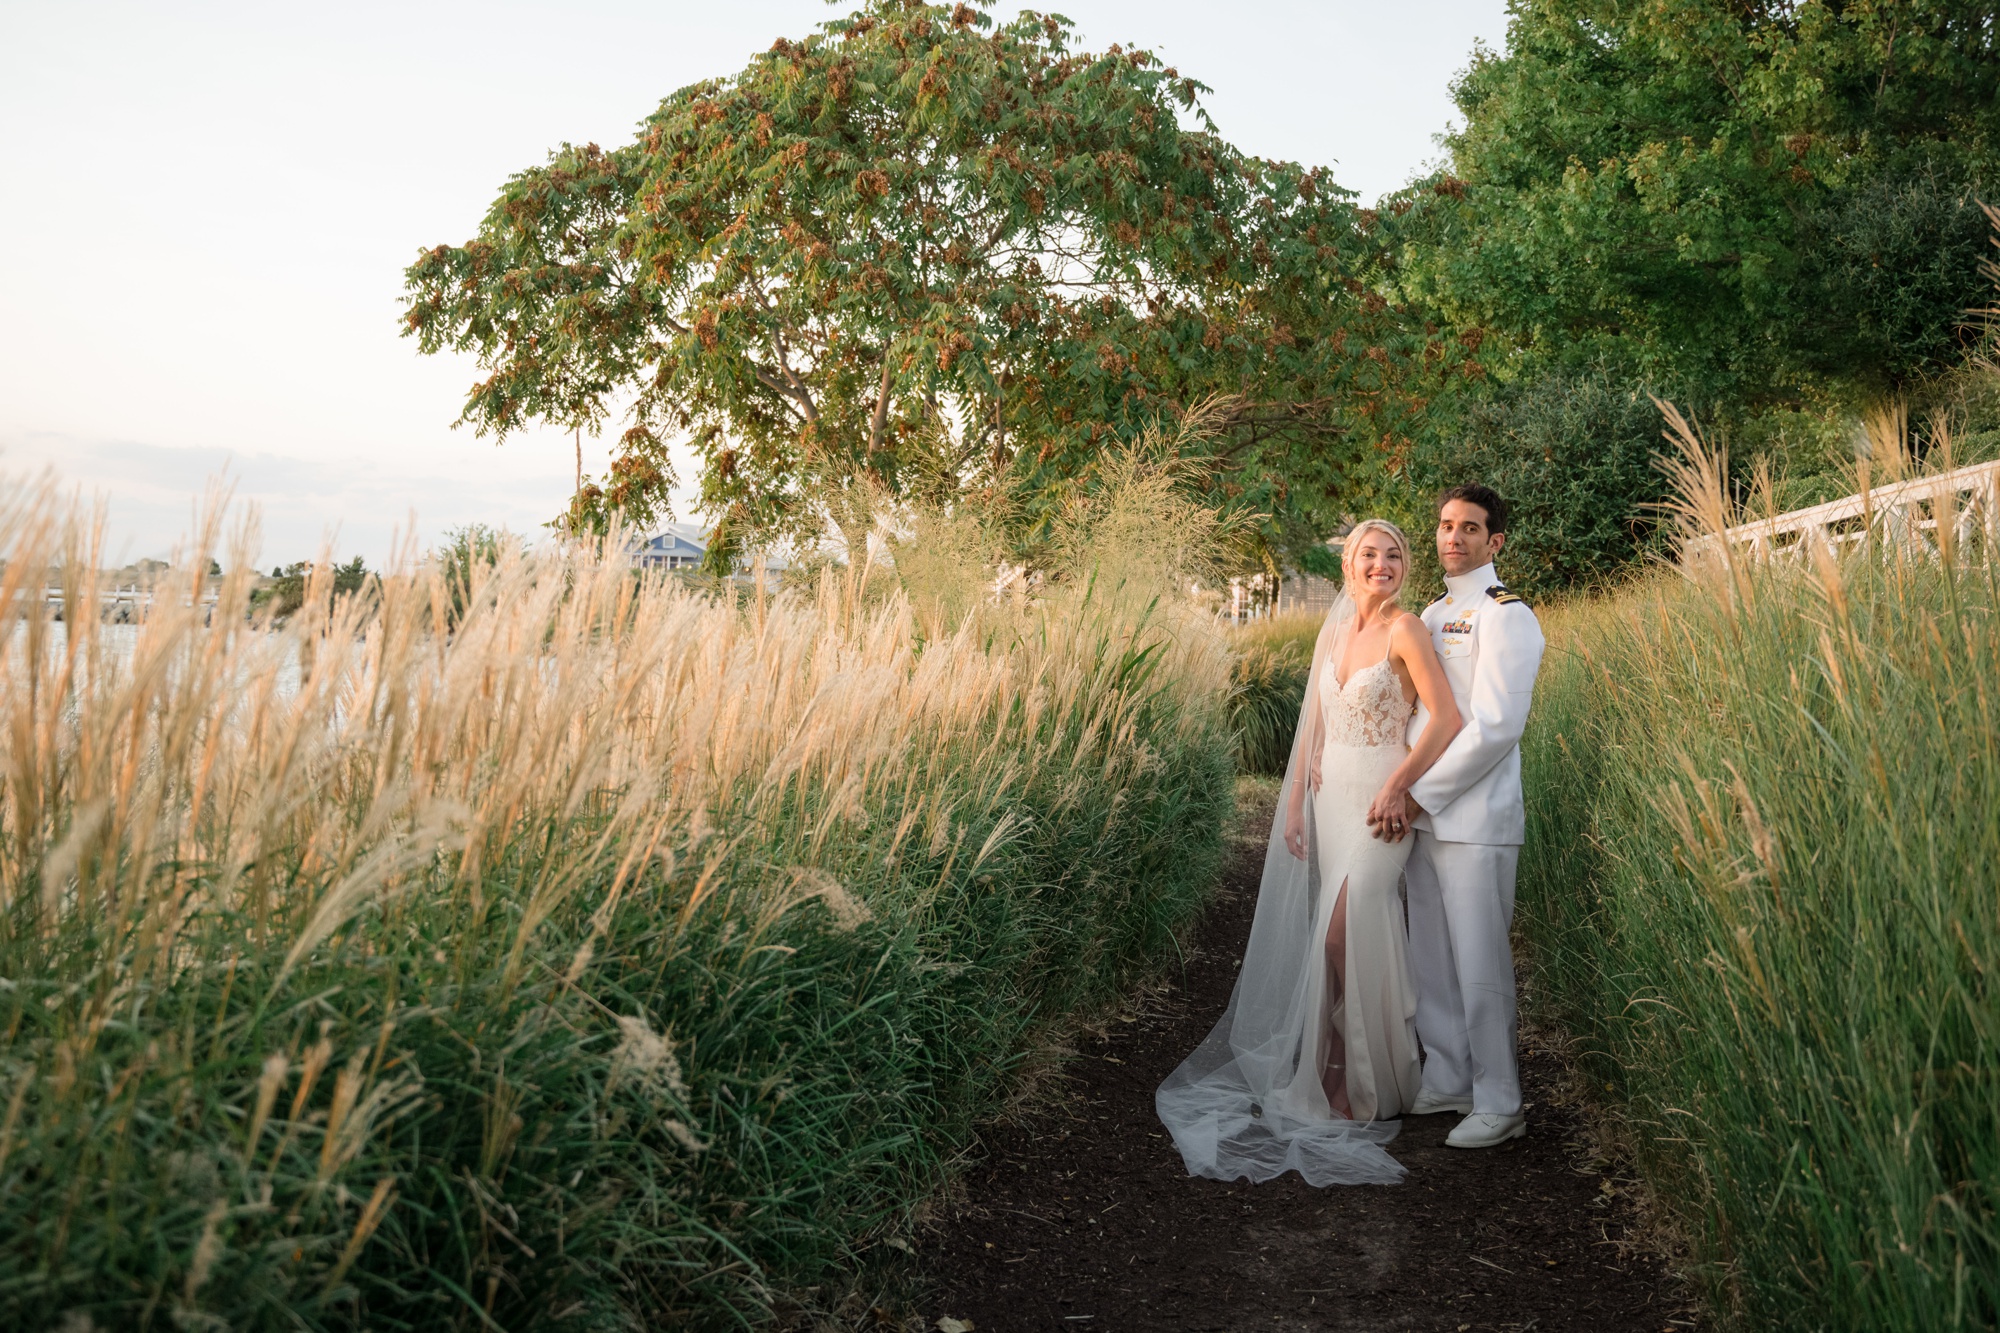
1376	564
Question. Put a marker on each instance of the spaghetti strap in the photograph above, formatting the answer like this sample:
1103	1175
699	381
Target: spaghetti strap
1388	651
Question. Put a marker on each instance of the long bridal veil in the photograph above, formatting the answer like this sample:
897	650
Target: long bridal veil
1225	1104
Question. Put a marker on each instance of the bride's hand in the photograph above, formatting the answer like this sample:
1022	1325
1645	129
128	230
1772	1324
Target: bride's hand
1295	833
1389	814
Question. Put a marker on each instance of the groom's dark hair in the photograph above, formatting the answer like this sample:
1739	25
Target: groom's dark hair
1484	496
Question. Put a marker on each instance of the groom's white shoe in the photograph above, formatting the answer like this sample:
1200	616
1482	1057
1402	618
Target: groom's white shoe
1485	1130
1430	1103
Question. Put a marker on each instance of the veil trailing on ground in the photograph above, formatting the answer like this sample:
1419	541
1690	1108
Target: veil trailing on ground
1226	1105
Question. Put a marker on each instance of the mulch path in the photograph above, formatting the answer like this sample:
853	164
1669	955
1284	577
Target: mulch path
1080	1215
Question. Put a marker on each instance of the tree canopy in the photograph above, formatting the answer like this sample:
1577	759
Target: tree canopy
920	251
1743	197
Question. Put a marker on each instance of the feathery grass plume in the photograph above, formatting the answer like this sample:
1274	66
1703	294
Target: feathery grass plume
1758	884
948	563
1135	521
1699	508
343	922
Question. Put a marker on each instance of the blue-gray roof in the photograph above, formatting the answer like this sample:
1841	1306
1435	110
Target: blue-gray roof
673	543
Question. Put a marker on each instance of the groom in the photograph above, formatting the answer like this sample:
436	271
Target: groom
1469	819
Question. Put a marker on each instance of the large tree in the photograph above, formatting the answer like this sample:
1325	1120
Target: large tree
921	251
1744	198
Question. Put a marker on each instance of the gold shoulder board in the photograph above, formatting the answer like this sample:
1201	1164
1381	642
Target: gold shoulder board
1498	592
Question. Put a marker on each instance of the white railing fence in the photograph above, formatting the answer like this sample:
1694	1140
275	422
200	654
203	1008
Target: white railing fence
124	604
1903	513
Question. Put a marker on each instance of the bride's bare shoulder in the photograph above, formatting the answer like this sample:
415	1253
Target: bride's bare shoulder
1409	634
1407	623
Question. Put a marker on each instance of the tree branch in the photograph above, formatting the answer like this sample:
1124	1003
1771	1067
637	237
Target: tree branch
799	389
999	430
770	381
881	406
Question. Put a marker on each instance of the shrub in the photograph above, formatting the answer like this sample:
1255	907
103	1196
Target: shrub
1573	455
1893	274
292	584
1267	686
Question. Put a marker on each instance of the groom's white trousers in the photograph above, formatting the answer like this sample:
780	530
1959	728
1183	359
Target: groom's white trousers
1461	901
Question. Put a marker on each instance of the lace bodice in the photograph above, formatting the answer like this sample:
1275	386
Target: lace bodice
1369	711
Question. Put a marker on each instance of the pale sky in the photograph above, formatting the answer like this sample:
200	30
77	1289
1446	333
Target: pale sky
209	207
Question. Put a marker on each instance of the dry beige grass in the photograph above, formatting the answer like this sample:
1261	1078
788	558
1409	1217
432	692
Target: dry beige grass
247	861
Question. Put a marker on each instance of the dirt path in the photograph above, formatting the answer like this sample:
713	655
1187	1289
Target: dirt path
1082	1216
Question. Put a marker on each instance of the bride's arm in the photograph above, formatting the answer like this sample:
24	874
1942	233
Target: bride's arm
1412	648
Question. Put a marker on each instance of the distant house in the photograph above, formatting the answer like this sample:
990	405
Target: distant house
680	546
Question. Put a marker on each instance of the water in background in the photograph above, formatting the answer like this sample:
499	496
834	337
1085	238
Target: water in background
120	642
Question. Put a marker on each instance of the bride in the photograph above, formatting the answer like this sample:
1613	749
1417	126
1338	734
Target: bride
1317	1053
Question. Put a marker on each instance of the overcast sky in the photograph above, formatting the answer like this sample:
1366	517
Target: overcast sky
209	207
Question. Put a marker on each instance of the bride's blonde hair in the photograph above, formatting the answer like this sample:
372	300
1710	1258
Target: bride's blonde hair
1353	537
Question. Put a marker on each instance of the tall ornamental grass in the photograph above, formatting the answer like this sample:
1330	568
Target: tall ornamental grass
1267	686
542	946
1760	882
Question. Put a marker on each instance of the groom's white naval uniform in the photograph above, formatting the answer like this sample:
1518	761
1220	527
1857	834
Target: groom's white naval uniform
1460	874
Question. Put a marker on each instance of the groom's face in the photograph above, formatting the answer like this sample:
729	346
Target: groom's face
1464	541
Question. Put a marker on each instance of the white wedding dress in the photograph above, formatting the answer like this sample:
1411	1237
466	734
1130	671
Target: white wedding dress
1317	1052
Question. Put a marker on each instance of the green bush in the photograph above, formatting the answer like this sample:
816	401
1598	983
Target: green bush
1892	275
287	590
1267	686
1573	455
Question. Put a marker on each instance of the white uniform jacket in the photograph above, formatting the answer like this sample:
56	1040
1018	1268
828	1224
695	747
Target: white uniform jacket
1491	646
